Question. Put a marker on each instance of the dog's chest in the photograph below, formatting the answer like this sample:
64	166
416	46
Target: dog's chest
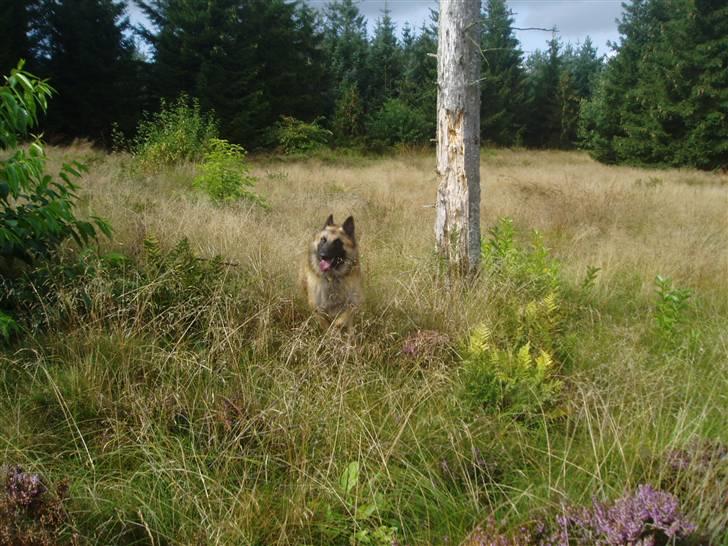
331	295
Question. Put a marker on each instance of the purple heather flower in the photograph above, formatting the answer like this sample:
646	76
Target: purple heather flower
638	519
23	488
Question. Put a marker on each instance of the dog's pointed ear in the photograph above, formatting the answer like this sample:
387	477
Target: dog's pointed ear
329	221
348	226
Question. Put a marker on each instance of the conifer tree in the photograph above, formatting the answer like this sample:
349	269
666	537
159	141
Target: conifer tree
546	96
503	97
14	28
85	51
663	97
384	63
346	49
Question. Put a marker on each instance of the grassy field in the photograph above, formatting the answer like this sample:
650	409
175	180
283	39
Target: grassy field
189	401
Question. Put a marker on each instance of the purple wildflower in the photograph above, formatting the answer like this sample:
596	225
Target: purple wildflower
23	488
646	518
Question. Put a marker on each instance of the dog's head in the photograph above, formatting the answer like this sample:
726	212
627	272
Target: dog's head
333	250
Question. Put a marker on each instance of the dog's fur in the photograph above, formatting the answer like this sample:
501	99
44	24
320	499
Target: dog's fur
331	276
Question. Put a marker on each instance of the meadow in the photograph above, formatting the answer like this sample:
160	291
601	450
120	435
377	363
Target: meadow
185	395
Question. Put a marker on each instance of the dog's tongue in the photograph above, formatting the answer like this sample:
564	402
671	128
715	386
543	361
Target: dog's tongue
325	265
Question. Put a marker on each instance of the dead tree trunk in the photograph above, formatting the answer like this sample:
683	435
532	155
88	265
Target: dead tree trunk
457	222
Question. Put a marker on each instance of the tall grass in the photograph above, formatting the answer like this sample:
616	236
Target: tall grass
208	408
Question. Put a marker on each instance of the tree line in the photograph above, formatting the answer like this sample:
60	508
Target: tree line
254	61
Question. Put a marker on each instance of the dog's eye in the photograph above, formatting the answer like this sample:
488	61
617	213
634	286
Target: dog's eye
323	239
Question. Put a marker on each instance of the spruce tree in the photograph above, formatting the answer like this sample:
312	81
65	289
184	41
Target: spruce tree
503	98
14	28
85	51
663	97
384	63
346	48
546	94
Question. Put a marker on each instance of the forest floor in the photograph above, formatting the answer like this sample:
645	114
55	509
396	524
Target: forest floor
188	400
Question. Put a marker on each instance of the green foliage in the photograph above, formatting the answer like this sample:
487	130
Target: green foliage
169	292
7	326
178	132
660	104
349	116
509	365
225	175
85	47
384	63
519	382
590	279
176	285
298	137
503	82
364	506
398	123
670	306
36	211
249	62
530	268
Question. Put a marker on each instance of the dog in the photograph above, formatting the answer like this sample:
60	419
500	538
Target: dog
331	276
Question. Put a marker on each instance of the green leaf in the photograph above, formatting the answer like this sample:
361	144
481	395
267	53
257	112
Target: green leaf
350	477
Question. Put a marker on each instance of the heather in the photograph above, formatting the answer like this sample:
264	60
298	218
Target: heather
169	386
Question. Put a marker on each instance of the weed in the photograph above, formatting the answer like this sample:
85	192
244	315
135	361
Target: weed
225	175
670	306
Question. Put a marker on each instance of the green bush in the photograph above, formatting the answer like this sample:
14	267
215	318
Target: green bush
296	137
225	175
179	132
398	123
36	212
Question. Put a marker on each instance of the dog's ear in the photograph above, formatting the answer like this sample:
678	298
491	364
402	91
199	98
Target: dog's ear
348	226
329	221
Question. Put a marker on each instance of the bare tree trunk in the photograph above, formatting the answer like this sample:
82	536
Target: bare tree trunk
457	222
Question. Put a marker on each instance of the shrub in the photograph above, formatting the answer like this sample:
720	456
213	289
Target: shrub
510	364
179	132
170	293
225	175
36	212
398	123
648	516
297	137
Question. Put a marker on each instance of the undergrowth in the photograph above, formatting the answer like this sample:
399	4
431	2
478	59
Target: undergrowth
187	398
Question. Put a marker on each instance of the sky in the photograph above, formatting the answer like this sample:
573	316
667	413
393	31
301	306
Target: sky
574	19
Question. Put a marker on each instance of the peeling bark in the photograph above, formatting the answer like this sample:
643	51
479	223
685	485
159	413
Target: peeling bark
457	221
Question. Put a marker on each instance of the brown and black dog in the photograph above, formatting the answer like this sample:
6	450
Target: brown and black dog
331	276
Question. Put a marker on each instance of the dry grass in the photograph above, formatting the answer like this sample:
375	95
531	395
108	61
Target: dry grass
672	222
240	435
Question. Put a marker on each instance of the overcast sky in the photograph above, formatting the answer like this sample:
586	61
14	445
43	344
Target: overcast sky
575	19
